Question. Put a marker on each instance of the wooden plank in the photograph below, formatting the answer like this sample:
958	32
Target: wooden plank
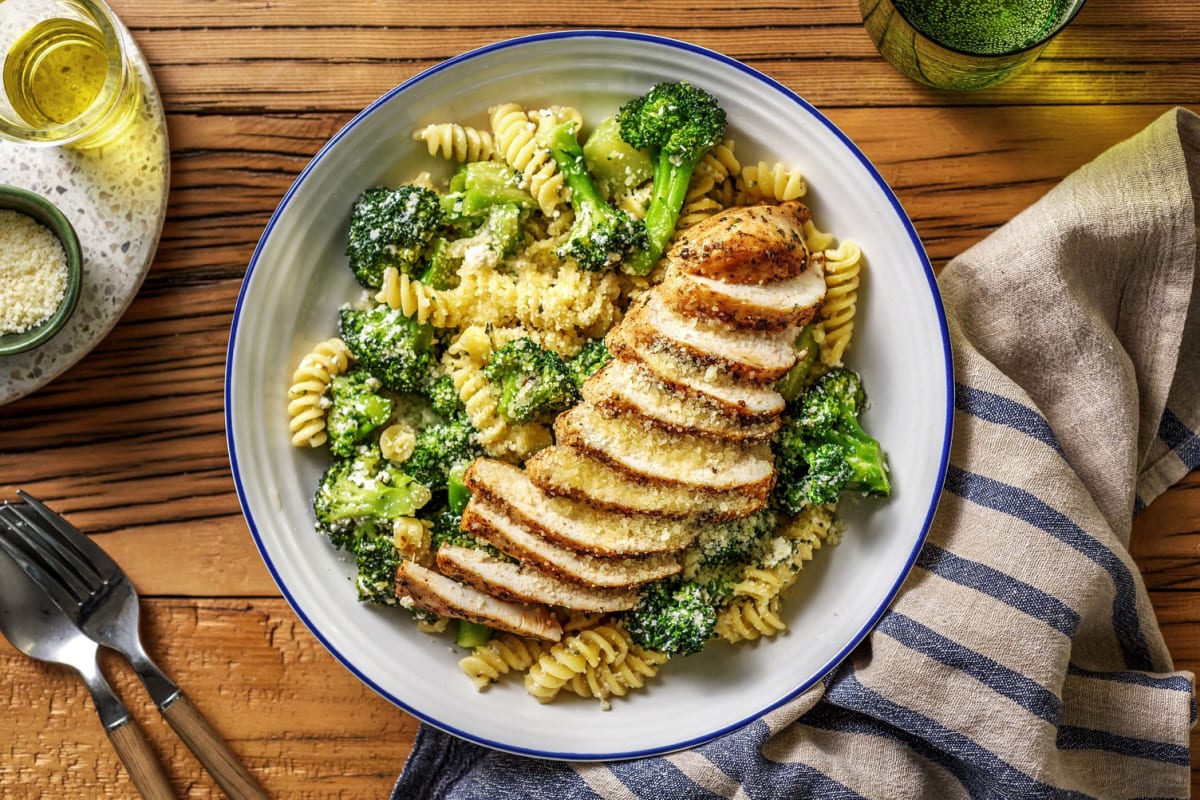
301	722
230	56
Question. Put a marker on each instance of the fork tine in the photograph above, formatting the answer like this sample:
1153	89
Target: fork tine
67	593
48	543
88	551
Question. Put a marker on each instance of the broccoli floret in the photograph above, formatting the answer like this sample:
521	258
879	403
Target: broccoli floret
533	382
617	166
392	228
478	186
357	409
441	270
444	399
672	617
359	496
588	360
601	236
439	449
677	123
446	530
396	349
727	542
822	450
376	560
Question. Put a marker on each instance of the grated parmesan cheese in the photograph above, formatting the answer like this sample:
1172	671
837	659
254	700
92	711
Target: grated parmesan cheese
33	272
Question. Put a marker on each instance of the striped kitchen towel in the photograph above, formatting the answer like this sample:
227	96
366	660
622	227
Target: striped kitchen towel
1022	658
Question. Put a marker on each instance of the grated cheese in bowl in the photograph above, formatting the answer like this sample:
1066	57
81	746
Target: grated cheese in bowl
33	272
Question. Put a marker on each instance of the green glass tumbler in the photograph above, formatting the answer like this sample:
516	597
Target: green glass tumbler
964	45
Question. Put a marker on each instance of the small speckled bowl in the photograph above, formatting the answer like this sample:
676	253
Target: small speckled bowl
47	213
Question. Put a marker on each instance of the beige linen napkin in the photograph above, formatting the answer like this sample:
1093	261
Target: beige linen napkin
1022	658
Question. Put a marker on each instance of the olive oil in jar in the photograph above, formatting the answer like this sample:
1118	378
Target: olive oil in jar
55	72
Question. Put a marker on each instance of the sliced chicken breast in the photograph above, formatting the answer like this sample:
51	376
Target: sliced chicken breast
694	462
750	403
505	534
524	584
626	387
747	306
747	244
570	523
438	594
567	472
759	356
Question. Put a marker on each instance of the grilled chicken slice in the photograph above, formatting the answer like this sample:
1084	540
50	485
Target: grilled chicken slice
748	306
572	524
749	403
626	387
496	528
698	463
523	584
748	244
567	472
759	356
446	597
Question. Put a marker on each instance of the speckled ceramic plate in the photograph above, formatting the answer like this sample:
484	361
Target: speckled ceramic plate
298	278
116	199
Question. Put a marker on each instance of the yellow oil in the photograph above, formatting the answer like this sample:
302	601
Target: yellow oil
56	71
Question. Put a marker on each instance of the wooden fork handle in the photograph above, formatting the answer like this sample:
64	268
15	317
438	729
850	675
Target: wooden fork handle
140	761
221	762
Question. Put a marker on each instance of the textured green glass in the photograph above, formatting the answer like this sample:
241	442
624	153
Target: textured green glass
986	27
964	44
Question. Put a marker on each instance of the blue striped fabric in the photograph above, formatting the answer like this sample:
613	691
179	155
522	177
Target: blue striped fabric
1022	658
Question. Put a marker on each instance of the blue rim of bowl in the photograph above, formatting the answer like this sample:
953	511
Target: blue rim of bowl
47	213
918	248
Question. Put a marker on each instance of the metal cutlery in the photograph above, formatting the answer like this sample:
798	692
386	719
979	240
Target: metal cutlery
37	628
97	597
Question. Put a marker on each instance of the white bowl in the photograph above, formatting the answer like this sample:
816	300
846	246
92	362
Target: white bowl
297	279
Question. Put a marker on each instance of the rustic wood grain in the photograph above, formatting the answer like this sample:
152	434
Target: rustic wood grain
130	442
301	723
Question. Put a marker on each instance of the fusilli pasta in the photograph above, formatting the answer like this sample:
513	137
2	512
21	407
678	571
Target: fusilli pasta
842	268
503	654
464	362
310	384
456	142
777	182
413	298
599	662
515	137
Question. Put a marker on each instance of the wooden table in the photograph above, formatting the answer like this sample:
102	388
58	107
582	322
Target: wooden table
130	443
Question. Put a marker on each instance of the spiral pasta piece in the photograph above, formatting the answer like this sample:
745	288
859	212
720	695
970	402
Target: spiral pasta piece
747	619
720	163
307	396
503	654
590	663
397	442
411	537
464	362
842	271
616	680
778	182
815	239
456	142
698	204
515	137
553	116
413	298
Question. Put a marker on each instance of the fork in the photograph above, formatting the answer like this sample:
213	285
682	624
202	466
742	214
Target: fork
41	631
91	589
